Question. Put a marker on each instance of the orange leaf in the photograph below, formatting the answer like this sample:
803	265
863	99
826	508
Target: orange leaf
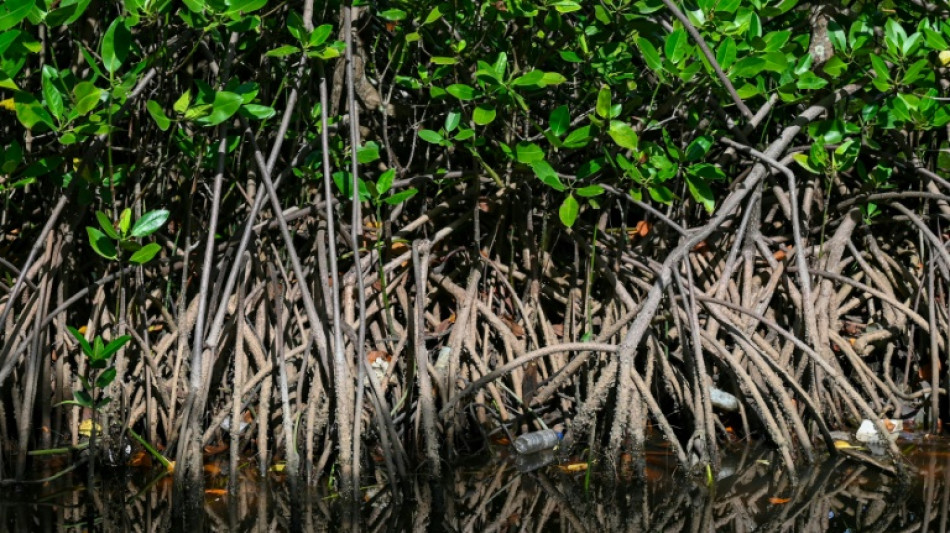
777	501
643	228
779	255
216	492
701	246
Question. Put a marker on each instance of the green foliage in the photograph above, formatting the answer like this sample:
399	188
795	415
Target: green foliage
99	372
111	239
563	94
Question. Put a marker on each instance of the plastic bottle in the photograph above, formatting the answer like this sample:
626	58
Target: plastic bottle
536	441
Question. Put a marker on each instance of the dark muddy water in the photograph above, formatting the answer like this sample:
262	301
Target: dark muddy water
508	494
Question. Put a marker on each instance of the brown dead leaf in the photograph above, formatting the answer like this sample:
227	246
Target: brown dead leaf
373	355
779	255
701	247
643	228
513	326
558	329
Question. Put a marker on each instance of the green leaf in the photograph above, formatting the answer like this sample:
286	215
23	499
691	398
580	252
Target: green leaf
623	134
368	153
106	224
83	398
158	115
116	45
224	106
748	67
181	105
802	160
661	194
578	138
603	102
698	148
87	97
677	45
590	191
483	115
433	16
101	243
30	112
244	6
320	35
52	96
726	53
528	153
543	170
258	112
113	346
452	120
385	181
283	51
650	54
532	78
401	196
461	91
559	120
125	218
431	136
149	223
442	60
145	253
14	11
701	192
552	78
83	343
106	377
393	14
569	210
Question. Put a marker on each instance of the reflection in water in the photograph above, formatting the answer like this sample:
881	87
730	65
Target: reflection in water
530	494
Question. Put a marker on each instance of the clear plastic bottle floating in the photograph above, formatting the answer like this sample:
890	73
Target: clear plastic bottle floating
536	441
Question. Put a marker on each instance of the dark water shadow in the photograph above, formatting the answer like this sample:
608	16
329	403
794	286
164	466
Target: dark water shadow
519	494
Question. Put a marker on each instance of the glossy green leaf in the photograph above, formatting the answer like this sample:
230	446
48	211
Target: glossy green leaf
258	112
701	192
149	223
158	115
578	138
569	210
320	35
698	147
14	11
590	191
546	173
527	152
125	219
283	51
116	44
87	97
106	377
401	196
101	243
431	136
105	222
461	91
559	120
81	339
145	254
603	102
483	115
51	95
82	398
623	134
650	54
385	181
368	153
676	46
30	112
224	106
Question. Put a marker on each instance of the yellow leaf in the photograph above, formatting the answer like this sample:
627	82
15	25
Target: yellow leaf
278	467
8	104
945	57
85	428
